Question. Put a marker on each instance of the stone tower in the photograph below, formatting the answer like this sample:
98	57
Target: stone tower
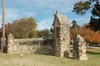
61	35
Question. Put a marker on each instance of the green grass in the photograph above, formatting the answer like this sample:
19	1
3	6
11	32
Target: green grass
46	60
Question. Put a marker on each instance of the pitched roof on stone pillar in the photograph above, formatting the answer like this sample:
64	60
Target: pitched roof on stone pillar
62	18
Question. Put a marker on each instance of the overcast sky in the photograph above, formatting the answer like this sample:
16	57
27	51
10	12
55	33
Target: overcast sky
42	10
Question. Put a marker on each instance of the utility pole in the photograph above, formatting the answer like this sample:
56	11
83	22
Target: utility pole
3	27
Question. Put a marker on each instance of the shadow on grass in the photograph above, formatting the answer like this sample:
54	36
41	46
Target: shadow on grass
94	53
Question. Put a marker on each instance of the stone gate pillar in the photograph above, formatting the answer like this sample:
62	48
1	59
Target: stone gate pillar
82	48
11	47
61	35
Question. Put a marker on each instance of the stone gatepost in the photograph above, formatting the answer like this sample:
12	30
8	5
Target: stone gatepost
11	46
61	35
81	48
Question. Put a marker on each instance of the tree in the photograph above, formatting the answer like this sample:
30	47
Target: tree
7	31
75	25
96	9
74	29
45	33
89	35
82	7
24	28
94	21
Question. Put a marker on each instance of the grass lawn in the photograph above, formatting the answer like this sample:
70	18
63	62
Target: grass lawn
46	60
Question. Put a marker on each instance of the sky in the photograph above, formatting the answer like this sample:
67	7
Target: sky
42	10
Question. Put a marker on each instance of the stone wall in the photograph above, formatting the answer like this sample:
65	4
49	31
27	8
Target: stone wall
34	45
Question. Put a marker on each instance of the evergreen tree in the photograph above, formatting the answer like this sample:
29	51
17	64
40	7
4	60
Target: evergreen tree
82	7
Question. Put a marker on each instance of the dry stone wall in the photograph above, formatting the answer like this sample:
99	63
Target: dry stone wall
35	45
